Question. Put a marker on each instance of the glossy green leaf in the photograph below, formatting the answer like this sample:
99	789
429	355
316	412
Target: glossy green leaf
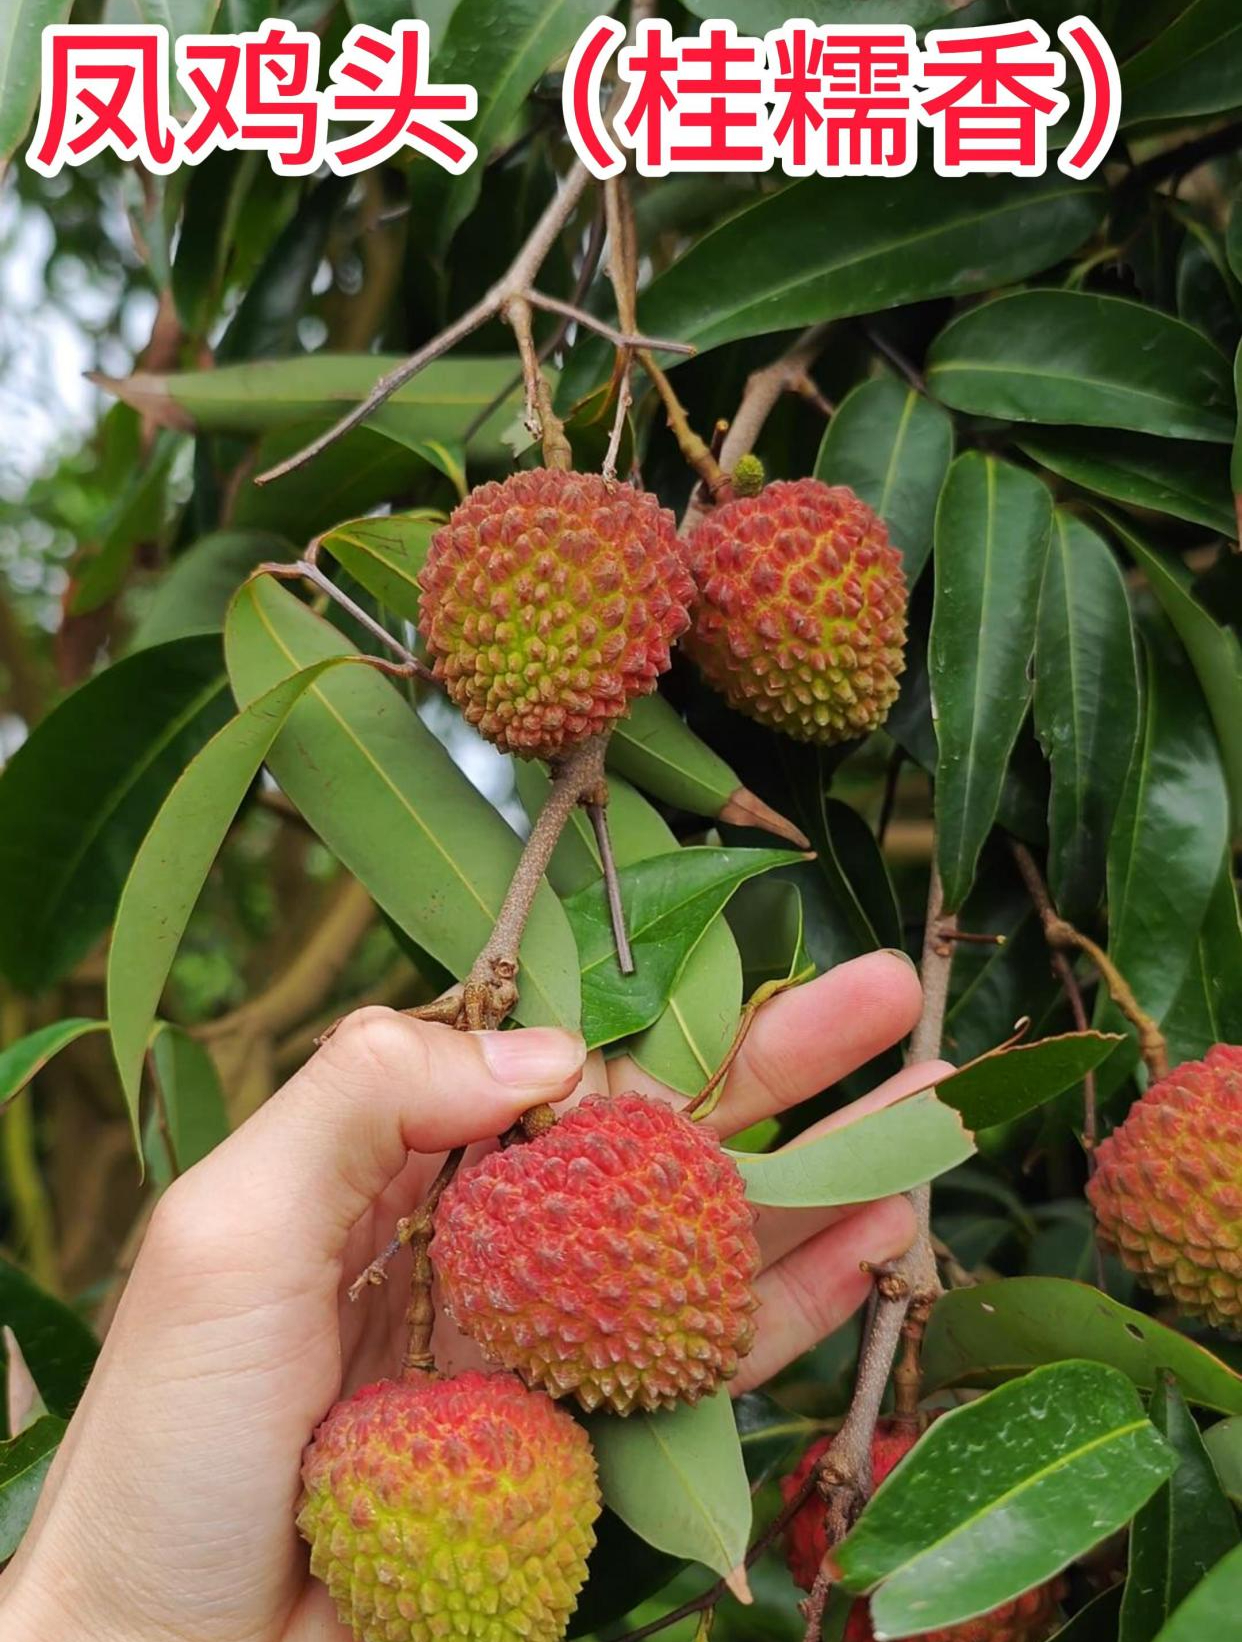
77	797
193	595
1212	1608
21	1061
878	1155
24	1462
1214	650
687	1041
1003	1493
1175	476
136	516
1223	1443
172	864
984	1335
656	749
992	532
440	403
501	47
1193	67
1086	706
670	901
387	799
1170	833
1235	466
58	1348
1009	1081
385	555
1075	356
677	1479
766	916
1208	1009
892	447
1182	1531
21	43
823	249
193	1118
1207	293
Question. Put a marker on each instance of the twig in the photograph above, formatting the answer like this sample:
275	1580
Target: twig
1178	162
541	418
515	283
763	390
619	339
895	358
1061	935
698	455
307	570
612	886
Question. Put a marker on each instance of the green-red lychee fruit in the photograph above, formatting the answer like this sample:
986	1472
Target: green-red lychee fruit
1028	1618
450	1508
612	1259
549	602
800	618
1167	1189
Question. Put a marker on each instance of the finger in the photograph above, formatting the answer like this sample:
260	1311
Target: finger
321	1151
780	1230
812	1291
806	1039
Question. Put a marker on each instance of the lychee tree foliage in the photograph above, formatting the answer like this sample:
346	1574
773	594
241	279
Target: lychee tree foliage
837	565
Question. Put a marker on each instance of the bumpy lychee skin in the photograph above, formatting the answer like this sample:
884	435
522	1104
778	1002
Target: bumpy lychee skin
1028	1618
800	619
450	1508
1167	1190
549	602
611	1259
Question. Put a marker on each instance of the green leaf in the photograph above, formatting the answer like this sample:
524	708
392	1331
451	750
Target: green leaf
440	403
21	1061
1214	650
1175	476
823	249
24	1463
1208	1009
766	916
1086	706
21	44
1002	1494
1233	238
892	447
1235	466
1169	836
58	1348
1223	1443
656	749
501	47
136	516
670	900
77	797
1182	1531
1212	1608
193	594
172	864
391	804
982	1336
1009	1081
1075	356
992	531
194	1117
677	1479
1194	67
878	1155
385	555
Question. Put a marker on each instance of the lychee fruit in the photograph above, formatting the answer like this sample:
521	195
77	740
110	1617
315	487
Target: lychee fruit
1028	1618
611	1259
549	602
1167	1188
450	1507
800	618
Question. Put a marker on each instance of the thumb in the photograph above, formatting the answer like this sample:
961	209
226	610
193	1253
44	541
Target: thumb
384	1085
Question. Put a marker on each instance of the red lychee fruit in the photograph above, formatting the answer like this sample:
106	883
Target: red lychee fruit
800	619
549	602
1028	1618
440	1508
1167	1189
611	1259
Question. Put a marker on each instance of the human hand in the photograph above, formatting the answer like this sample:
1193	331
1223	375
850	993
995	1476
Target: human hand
168	1512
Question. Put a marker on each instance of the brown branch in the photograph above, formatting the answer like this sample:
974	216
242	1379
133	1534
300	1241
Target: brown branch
598	815
1061	935
542	422
591	322
307	569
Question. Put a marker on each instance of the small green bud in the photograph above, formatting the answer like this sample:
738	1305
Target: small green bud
748	476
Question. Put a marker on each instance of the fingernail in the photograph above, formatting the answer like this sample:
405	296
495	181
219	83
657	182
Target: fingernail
533	1056
896	952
